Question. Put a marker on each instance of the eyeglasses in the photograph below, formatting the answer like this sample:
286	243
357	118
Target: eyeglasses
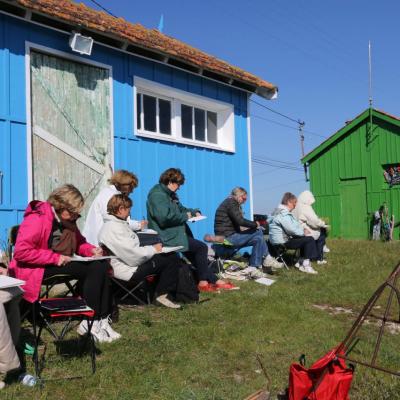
177	184
74	215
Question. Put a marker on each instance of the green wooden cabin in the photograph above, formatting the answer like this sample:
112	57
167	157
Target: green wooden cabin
347	174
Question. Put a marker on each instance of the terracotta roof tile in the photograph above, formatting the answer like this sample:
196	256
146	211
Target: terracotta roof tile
151	39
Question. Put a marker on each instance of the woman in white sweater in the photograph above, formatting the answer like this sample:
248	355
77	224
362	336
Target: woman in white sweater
309	220
135	262
122	181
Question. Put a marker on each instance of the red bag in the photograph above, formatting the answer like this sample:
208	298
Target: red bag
327	379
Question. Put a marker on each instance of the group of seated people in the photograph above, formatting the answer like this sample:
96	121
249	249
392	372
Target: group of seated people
295	225
48	238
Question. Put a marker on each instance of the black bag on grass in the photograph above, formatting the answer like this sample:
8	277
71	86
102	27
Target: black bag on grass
186	289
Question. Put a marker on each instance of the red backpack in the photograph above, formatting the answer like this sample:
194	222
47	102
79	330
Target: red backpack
327	379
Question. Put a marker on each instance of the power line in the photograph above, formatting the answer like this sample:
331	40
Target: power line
276	165
276	112
283	184
103	8
272	159
287	126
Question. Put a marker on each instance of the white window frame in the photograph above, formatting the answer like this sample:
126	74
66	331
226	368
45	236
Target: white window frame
224	111
158	97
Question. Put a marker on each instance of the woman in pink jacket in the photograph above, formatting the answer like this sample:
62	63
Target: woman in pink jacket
47	239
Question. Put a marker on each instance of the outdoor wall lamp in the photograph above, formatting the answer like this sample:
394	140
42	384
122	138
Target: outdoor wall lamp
81	44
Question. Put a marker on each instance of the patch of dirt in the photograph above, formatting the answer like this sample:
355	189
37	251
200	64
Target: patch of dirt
333	310
391	327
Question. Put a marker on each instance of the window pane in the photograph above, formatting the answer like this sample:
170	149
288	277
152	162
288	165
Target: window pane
164	115
200	124
186	115
138	111
149	109
212	127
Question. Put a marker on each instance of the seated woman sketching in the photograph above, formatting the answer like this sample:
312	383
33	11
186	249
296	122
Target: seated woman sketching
47	238
135	262
168	216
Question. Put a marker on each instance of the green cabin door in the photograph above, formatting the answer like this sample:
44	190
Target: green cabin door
353	214
71	125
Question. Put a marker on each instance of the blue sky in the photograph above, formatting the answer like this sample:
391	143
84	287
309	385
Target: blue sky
315	51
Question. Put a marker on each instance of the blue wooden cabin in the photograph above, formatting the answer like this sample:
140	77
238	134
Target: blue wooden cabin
140	101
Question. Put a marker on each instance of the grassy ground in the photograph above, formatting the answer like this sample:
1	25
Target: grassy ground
208	351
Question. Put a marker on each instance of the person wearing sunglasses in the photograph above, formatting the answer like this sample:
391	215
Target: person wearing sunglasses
47	239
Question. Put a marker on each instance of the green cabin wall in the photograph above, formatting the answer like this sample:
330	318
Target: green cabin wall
351	157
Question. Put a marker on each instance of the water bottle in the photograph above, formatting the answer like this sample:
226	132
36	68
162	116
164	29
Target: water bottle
28	380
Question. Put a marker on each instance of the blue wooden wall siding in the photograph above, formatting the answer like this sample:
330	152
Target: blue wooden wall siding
210	174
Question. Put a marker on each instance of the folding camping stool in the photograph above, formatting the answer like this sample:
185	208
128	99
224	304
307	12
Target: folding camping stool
44	318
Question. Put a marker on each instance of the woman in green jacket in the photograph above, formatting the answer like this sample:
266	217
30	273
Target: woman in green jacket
168	217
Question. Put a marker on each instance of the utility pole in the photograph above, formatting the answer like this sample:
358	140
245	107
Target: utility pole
369	134
301	134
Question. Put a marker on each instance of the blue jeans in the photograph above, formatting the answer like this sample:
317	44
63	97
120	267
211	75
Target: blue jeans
254	239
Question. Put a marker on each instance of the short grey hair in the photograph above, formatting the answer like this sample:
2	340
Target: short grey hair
238	191
287	197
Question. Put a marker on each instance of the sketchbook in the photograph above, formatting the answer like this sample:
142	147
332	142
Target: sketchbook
88	259
198	218
8	282
171	249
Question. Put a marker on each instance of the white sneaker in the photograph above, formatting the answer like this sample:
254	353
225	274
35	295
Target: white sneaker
272	262
99	334
297	265
325	249
256	273
82	328
308	269
166	302
2	385
322	262
105	324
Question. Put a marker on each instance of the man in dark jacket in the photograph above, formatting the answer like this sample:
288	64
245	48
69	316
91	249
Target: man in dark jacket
241	232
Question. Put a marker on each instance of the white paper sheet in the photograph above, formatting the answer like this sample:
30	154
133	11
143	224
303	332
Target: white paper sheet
88	259
171	249
198	218
7	282
265	281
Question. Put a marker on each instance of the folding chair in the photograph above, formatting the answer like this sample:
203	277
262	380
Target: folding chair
45	318
223	250
61	279
122	292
